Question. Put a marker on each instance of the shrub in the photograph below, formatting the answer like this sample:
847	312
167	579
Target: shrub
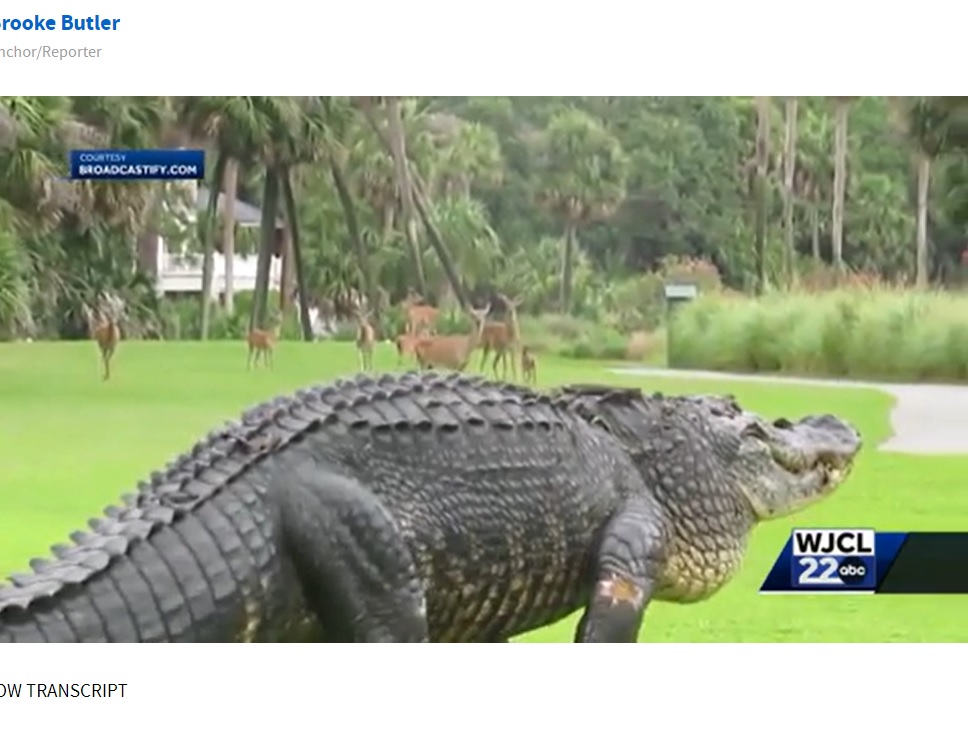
643	345
691	270
638	303
571	337
860	332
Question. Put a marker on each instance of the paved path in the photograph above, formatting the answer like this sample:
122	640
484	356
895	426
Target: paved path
927	418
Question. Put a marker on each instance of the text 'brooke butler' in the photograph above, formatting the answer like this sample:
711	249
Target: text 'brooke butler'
67	22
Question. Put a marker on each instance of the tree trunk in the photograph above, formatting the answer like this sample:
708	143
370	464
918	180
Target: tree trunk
230	189
389	218
208	243
398	149
815	230
270	203
289	202
287	282
789	167
841	121
924	187
149	242
760	198
567	256
353	226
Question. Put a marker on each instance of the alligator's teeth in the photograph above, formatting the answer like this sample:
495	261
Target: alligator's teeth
833	475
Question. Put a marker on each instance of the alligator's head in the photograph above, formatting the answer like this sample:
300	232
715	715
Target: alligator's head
778	466
781	466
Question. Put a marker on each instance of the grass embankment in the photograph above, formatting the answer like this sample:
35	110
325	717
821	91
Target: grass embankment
882	334
72	444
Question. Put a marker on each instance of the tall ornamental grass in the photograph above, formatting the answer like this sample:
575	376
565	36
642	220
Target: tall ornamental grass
867	333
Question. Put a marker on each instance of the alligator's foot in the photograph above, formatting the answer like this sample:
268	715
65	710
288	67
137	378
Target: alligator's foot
629	561
357	573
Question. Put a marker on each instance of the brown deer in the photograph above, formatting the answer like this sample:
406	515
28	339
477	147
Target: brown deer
529	366
406	344
262	342
104	329
451	351
365	338
502	338
421	318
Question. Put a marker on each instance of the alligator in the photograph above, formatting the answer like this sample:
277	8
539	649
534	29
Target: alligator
431	507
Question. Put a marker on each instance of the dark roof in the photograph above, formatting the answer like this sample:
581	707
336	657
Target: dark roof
245	213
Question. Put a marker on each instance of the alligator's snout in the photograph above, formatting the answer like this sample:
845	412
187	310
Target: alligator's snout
831	440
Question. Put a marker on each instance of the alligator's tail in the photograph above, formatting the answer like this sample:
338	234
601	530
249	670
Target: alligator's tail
135	578
180	560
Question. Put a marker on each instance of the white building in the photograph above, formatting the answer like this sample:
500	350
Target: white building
182	273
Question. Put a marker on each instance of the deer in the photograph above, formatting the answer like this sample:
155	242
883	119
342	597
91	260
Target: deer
365	338
262	342
451	351
502	338
421	318
406	344
105	330
529	366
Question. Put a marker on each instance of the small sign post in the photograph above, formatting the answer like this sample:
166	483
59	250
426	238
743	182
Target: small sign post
676	294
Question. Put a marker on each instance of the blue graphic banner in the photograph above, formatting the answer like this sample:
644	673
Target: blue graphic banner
848	560
137	164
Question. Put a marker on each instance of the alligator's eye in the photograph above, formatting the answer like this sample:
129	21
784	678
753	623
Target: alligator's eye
754	429
783	424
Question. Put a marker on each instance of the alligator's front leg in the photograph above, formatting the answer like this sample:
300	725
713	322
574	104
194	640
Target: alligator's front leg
628	566
357	572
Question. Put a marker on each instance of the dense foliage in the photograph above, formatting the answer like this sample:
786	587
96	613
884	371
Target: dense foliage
583	205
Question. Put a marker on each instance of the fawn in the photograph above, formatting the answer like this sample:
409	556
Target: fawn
365	338
502	338
105	331
529	366
452	351
421	318
262	342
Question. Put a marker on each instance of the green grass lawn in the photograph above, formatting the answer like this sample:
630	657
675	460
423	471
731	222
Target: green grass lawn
71	444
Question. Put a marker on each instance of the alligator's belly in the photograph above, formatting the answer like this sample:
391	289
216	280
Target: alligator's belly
496	600
693	573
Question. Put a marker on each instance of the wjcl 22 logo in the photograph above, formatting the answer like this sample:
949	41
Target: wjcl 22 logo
833	559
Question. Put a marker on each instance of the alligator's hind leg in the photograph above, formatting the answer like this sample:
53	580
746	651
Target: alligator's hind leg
627	568
357	573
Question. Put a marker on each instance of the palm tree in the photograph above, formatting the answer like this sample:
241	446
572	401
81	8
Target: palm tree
583	179
470	153
420	199
31	144
398	148
297	136
813	172
394	135
232	126
275	133
339	123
